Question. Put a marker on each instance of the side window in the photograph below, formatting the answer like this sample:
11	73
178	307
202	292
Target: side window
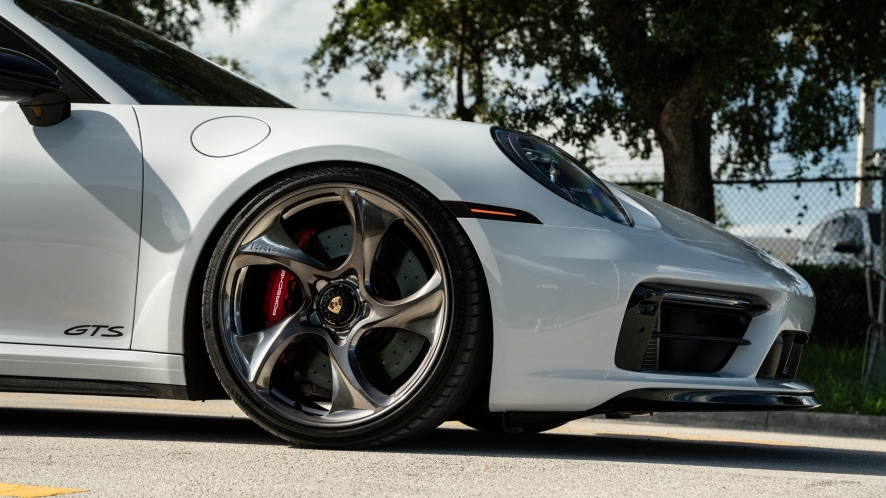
854	231
830	236
12	41
8	40
810	244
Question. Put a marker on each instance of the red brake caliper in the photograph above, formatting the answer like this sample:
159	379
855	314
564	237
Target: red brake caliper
281	285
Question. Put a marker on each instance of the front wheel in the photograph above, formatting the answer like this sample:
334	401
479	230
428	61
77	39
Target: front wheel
345	306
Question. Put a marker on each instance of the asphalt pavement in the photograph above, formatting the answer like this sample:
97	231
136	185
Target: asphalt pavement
134	447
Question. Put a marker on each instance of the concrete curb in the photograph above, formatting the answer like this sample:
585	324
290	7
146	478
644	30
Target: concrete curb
805	422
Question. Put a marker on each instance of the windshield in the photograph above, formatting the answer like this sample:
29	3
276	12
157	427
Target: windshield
151	69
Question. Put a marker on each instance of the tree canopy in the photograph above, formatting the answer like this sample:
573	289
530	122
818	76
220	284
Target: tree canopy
449	48
758	76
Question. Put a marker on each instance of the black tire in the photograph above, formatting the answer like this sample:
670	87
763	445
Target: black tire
464	346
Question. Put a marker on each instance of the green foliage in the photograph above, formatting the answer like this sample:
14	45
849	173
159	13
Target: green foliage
832	359
841	315
176	20
742	62
721	219
835	372
449	48
759	76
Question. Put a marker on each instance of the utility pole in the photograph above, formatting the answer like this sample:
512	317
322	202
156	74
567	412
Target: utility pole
864	190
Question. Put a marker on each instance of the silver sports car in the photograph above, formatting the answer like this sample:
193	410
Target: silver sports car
169	230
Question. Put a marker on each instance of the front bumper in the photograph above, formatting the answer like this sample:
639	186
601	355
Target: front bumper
559	296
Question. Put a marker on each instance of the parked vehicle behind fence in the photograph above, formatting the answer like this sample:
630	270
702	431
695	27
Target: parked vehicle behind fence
849	236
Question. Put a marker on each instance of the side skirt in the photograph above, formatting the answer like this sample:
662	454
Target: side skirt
111	365
93	387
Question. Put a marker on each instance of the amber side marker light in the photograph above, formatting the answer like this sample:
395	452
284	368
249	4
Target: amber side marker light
463	209
495	213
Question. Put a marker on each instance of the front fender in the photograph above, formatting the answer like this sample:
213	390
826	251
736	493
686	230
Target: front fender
187	193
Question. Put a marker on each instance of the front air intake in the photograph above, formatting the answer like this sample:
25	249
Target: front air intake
670	329
783	358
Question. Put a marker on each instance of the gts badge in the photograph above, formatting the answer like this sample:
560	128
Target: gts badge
106	330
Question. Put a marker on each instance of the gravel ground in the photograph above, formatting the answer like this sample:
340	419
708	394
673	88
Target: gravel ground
123	447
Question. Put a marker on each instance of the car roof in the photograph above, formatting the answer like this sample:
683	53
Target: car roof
854	210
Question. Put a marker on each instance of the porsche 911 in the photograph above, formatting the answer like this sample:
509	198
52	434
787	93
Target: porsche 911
170	230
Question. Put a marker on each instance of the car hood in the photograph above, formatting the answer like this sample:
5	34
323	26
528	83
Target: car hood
701	235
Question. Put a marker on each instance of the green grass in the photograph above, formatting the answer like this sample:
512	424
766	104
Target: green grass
835	372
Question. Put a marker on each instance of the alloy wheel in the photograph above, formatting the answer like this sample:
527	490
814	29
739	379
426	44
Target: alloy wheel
361	321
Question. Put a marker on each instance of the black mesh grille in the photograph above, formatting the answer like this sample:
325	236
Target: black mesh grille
683	330
650	360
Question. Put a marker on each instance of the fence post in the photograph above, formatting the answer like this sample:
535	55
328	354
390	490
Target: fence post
864	190
873	341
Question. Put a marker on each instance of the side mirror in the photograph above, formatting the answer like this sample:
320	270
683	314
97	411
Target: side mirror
46	109
847	246
47	105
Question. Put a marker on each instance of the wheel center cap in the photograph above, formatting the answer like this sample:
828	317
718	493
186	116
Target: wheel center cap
337	304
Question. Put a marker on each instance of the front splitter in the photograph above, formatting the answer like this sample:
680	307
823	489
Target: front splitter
644	401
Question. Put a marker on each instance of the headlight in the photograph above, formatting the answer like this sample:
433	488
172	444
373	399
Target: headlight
560	173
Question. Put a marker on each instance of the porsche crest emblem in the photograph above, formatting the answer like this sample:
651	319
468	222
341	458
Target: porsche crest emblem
335	305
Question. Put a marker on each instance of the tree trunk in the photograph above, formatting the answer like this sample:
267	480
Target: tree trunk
461	109
684	135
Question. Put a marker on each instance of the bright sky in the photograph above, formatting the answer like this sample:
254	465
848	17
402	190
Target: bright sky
275	36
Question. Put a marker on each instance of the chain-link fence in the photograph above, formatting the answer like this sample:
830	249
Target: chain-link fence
779	215
811	225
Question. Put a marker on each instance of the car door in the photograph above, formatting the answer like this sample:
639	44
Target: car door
70	221
853	233
832	234
808	249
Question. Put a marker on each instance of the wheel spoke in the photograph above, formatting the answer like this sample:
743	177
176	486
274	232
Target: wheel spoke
420	312
274	247
258	352
350	390
370	218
